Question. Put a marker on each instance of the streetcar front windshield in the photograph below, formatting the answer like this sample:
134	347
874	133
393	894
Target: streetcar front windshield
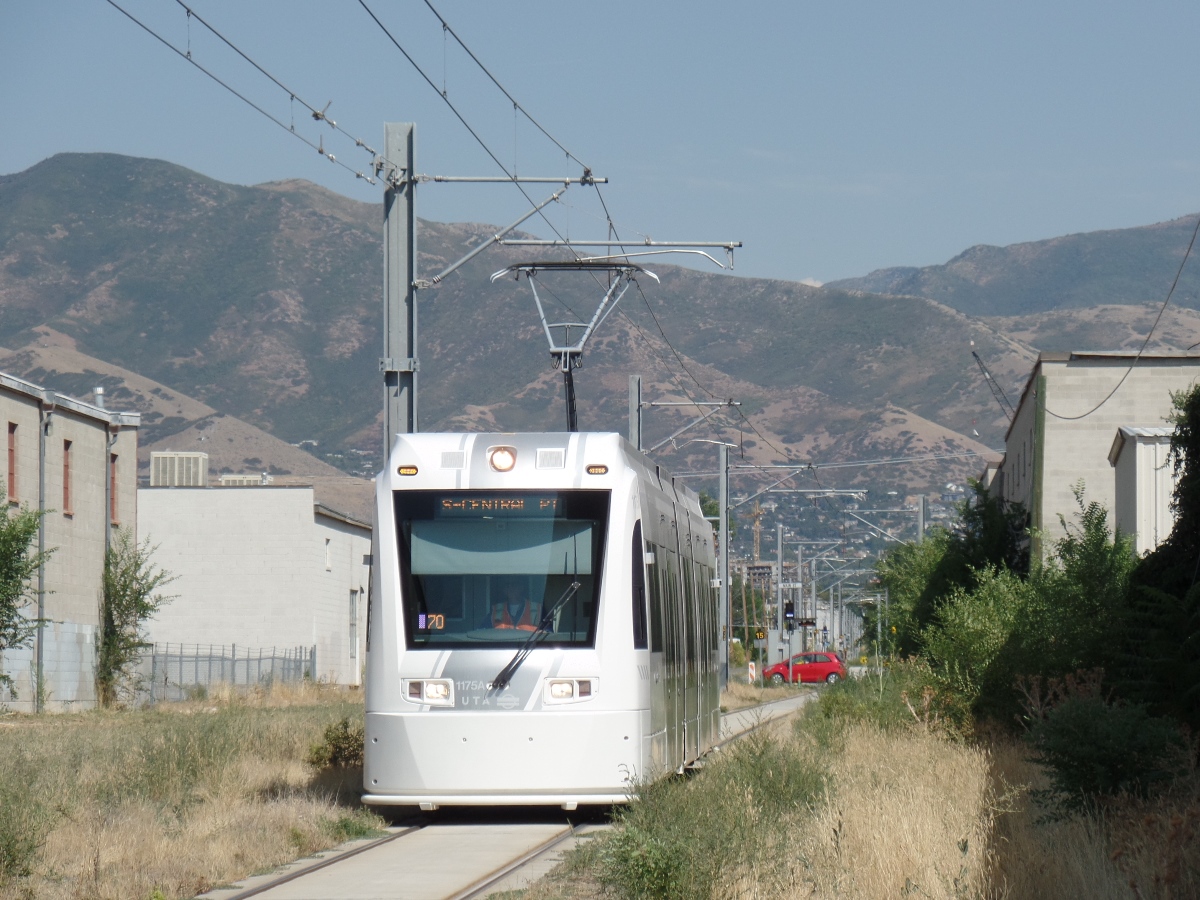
491	567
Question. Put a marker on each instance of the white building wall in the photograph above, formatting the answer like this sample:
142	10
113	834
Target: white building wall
1145	485
251	567
74	535
1048	452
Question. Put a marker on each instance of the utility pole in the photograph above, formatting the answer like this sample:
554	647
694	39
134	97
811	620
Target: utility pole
723	524
779	580
399	364
921	505
635	411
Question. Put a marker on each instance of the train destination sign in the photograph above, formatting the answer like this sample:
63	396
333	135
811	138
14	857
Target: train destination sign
473	506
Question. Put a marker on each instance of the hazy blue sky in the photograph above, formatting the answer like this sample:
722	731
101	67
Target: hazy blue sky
831	138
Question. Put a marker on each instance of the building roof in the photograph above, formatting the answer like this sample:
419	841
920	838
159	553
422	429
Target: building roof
62	401
1159	434
322	510
1062	356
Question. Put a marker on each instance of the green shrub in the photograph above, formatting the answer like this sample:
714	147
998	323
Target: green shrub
350	826
737	655
342	746
687	837
1095	748
907	694
25	819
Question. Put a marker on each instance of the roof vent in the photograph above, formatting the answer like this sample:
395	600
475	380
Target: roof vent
98	392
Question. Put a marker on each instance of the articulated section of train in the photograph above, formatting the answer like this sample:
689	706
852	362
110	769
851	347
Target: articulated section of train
543	624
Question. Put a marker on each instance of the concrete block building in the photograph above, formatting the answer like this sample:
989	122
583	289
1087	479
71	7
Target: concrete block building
1145	484
77	461
1068	421
260	567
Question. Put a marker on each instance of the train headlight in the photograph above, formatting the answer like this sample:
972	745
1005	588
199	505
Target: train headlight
568	690
502	459
562	690
431	691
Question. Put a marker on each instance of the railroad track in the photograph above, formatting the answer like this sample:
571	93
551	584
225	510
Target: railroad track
455	854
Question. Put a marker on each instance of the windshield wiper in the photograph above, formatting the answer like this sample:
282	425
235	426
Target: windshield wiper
500	682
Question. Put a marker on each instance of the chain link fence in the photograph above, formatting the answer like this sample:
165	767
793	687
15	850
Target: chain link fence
184	671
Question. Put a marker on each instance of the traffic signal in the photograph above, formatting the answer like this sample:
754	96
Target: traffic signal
789	610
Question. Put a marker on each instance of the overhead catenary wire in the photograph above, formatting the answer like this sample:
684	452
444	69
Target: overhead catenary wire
462	119
319	115
516	104
1178	272
518	107
187	55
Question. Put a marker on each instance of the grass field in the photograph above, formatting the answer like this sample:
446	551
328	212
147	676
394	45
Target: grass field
170	801
852	801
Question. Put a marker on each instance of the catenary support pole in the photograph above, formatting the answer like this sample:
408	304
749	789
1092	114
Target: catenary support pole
723	525
399	364
635	411
779	580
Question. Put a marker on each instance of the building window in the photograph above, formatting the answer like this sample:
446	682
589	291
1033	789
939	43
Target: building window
12	462
113	508
328	556
67	510
354	624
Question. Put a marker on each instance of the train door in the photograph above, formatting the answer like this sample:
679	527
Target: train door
703	655
703	673
691	642
658	752
673	656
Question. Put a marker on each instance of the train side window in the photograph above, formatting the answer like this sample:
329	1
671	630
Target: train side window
657	600
639	588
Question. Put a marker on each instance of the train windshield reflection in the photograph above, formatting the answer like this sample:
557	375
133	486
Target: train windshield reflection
484	567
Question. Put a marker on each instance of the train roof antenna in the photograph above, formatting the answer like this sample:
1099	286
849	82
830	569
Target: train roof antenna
567	354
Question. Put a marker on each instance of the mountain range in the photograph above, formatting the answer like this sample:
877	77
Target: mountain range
246	321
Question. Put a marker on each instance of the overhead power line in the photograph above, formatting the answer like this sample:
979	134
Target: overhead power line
516	105
1183	262
462	119
186	55
318	115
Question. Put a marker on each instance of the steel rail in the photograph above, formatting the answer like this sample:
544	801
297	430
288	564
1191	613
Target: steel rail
753	728
325	863
483	885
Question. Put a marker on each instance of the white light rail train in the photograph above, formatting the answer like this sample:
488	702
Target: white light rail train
543	625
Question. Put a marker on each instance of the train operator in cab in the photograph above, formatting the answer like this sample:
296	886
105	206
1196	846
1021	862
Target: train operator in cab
512	607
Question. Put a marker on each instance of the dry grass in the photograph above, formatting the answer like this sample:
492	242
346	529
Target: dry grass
176	799
739	695
909	814
1134	850
902	813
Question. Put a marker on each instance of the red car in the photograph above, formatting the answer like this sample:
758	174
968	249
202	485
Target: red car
817	666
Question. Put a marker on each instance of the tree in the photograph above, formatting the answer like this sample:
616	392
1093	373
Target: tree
990	536
711	507
131	594
19	563
1159	661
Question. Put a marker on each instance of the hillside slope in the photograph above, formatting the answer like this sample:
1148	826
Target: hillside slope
263	304
1125	266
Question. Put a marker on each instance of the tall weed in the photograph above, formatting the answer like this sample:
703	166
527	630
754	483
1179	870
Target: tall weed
696	837
25	817
906	694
